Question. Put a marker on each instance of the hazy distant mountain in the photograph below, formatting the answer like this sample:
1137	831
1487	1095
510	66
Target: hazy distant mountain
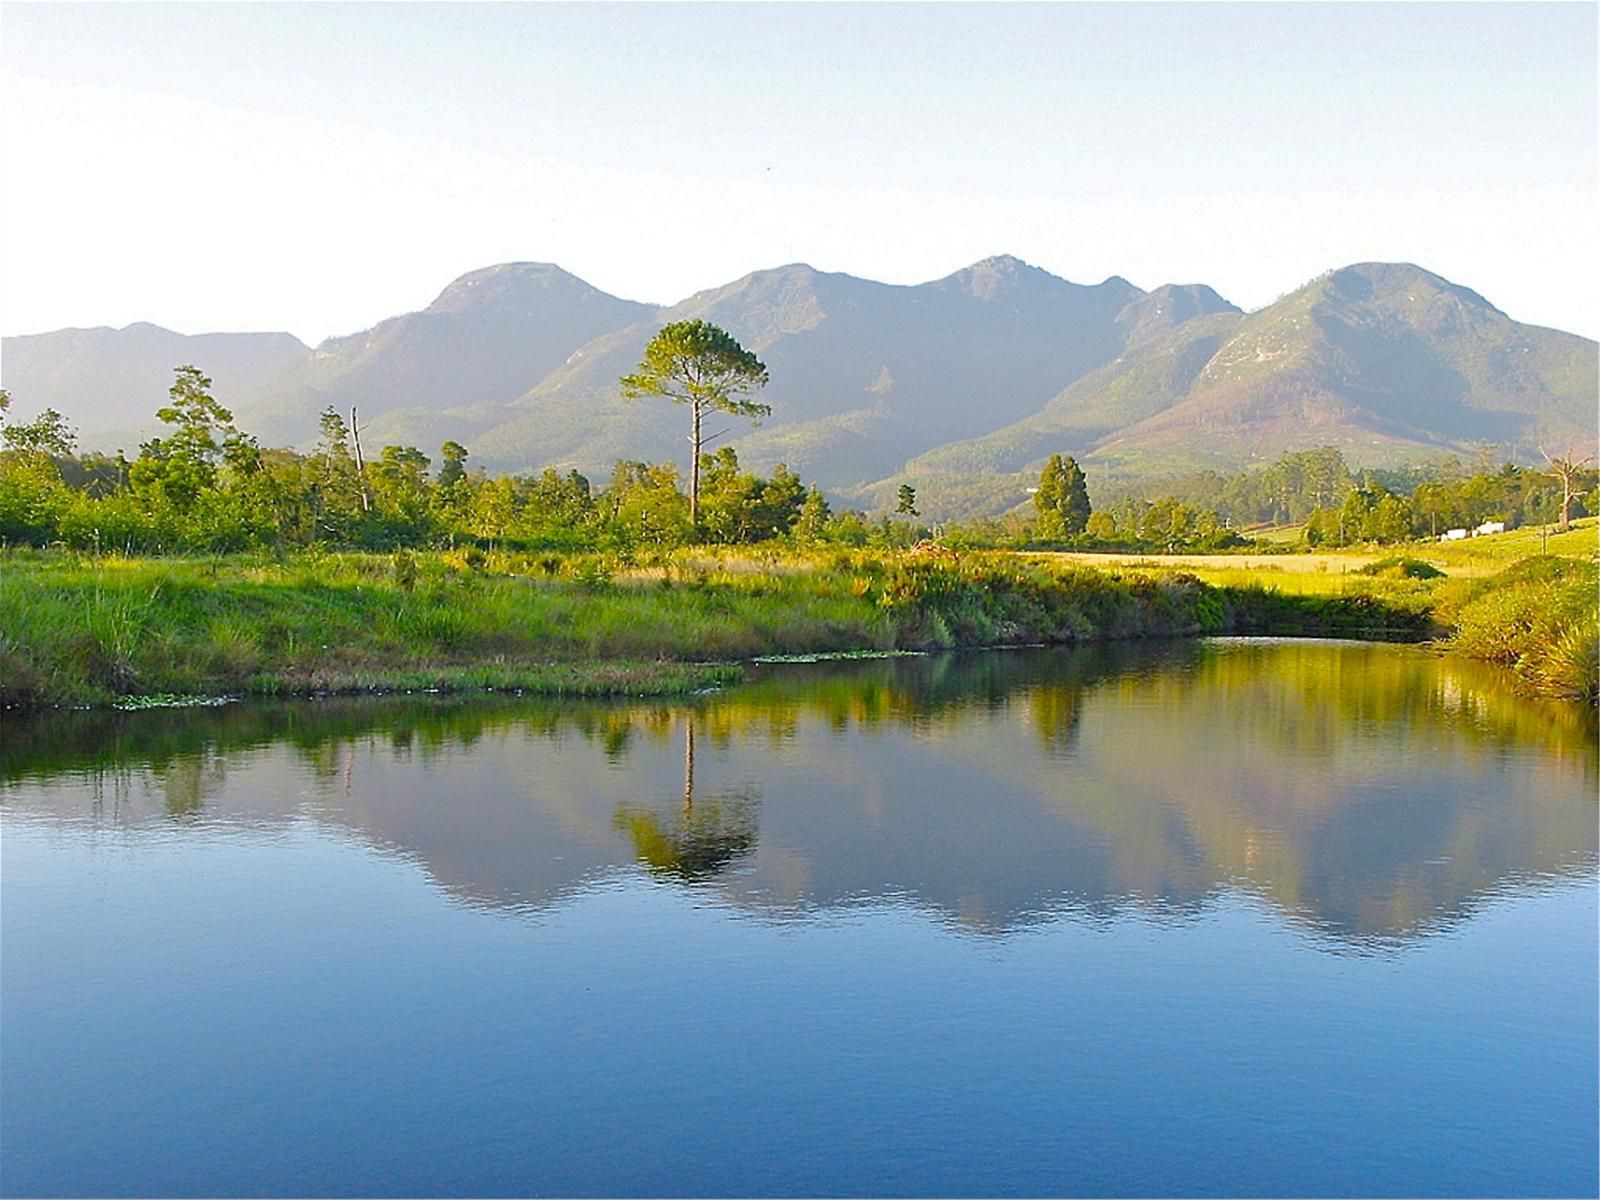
109	382
1389	362
489	337
961	385
864	374
1164	309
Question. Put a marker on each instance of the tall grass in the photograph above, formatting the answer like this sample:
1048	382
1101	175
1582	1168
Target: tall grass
1540	617
80	630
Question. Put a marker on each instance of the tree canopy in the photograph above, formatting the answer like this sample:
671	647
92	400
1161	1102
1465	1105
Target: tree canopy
704	366
1062	498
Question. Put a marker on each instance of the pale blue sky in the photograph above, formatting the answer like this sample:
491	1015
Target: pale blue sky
318	167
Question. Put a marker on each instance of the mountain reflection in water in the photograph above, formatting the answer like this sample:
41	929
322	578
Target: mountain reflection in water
1373	794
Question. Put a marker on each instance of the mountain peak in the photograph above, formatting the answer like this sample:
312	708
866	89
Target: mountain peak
1366	281
503	281
795	272
1169	306
997	275
789	275
772	301
1198	299
1002	262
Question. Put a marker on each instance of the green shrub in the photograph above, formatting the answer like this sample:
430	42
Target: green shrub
1399	567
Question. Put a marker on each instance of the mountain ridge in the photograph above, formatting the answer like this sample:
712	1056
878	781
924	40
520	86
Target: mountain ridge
979	373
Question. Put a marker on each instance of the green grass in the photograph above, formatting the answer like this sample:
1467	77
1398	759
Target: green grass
77	630
1398	566
1470	556
1494	598
1486	555
1539	618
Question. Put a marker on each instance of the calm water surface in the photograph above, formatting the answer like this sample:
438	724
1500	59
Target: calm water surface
1215	918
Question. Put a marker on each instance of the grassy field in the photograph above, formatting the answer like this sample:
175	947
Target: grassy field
1471	558
1539	617
76	629
1485	555
1526	598
1277	535
1331	563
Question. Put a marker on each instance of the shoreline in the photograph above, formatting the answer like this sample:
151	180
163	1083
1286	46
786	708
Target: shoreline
619	680
144	632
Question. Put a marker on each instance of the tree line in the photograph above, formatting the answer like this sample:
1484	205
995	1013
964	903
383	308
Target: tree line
1315	489
1337	505
206	485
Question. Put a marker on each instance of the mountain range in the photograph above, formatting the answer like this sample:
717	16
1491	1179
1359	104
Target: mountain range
961	386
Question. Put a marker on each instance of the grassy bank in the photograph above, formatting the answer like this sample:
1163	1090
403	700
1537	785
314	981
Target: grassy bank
1521	599
87	630
1538	617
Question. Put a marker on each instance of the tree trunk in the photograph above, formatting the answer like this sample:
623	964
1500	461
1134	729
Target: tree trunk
694	473
361	466
688	766
1566	470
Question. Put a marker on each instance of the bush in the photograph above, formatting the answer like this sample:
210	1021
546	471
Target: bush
1399	567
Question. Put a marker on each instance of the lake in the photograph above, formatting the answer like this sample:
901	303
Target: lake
1203	918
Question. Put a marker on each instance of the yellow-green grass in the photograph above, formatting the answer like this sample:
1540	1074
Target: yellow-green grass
81	630
75	629
1471	557
1332	562
1540	617
1278	535
1495	597
1476	556
1311	582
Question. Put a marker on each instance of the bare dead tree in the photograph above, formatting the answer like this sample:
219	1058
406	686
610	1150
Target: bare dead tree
361	466
1566	469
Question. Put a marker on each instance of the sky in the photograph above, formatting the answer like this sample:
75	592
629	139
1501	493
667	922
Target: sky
318	167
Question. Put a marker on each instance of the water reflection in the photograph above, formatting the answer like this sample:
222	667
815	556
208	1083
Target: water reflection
1372	794
700	839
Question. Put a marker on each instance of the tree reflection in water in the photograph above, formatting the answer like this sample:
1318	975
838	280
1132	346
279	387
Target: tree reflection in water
703	838
1371	794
